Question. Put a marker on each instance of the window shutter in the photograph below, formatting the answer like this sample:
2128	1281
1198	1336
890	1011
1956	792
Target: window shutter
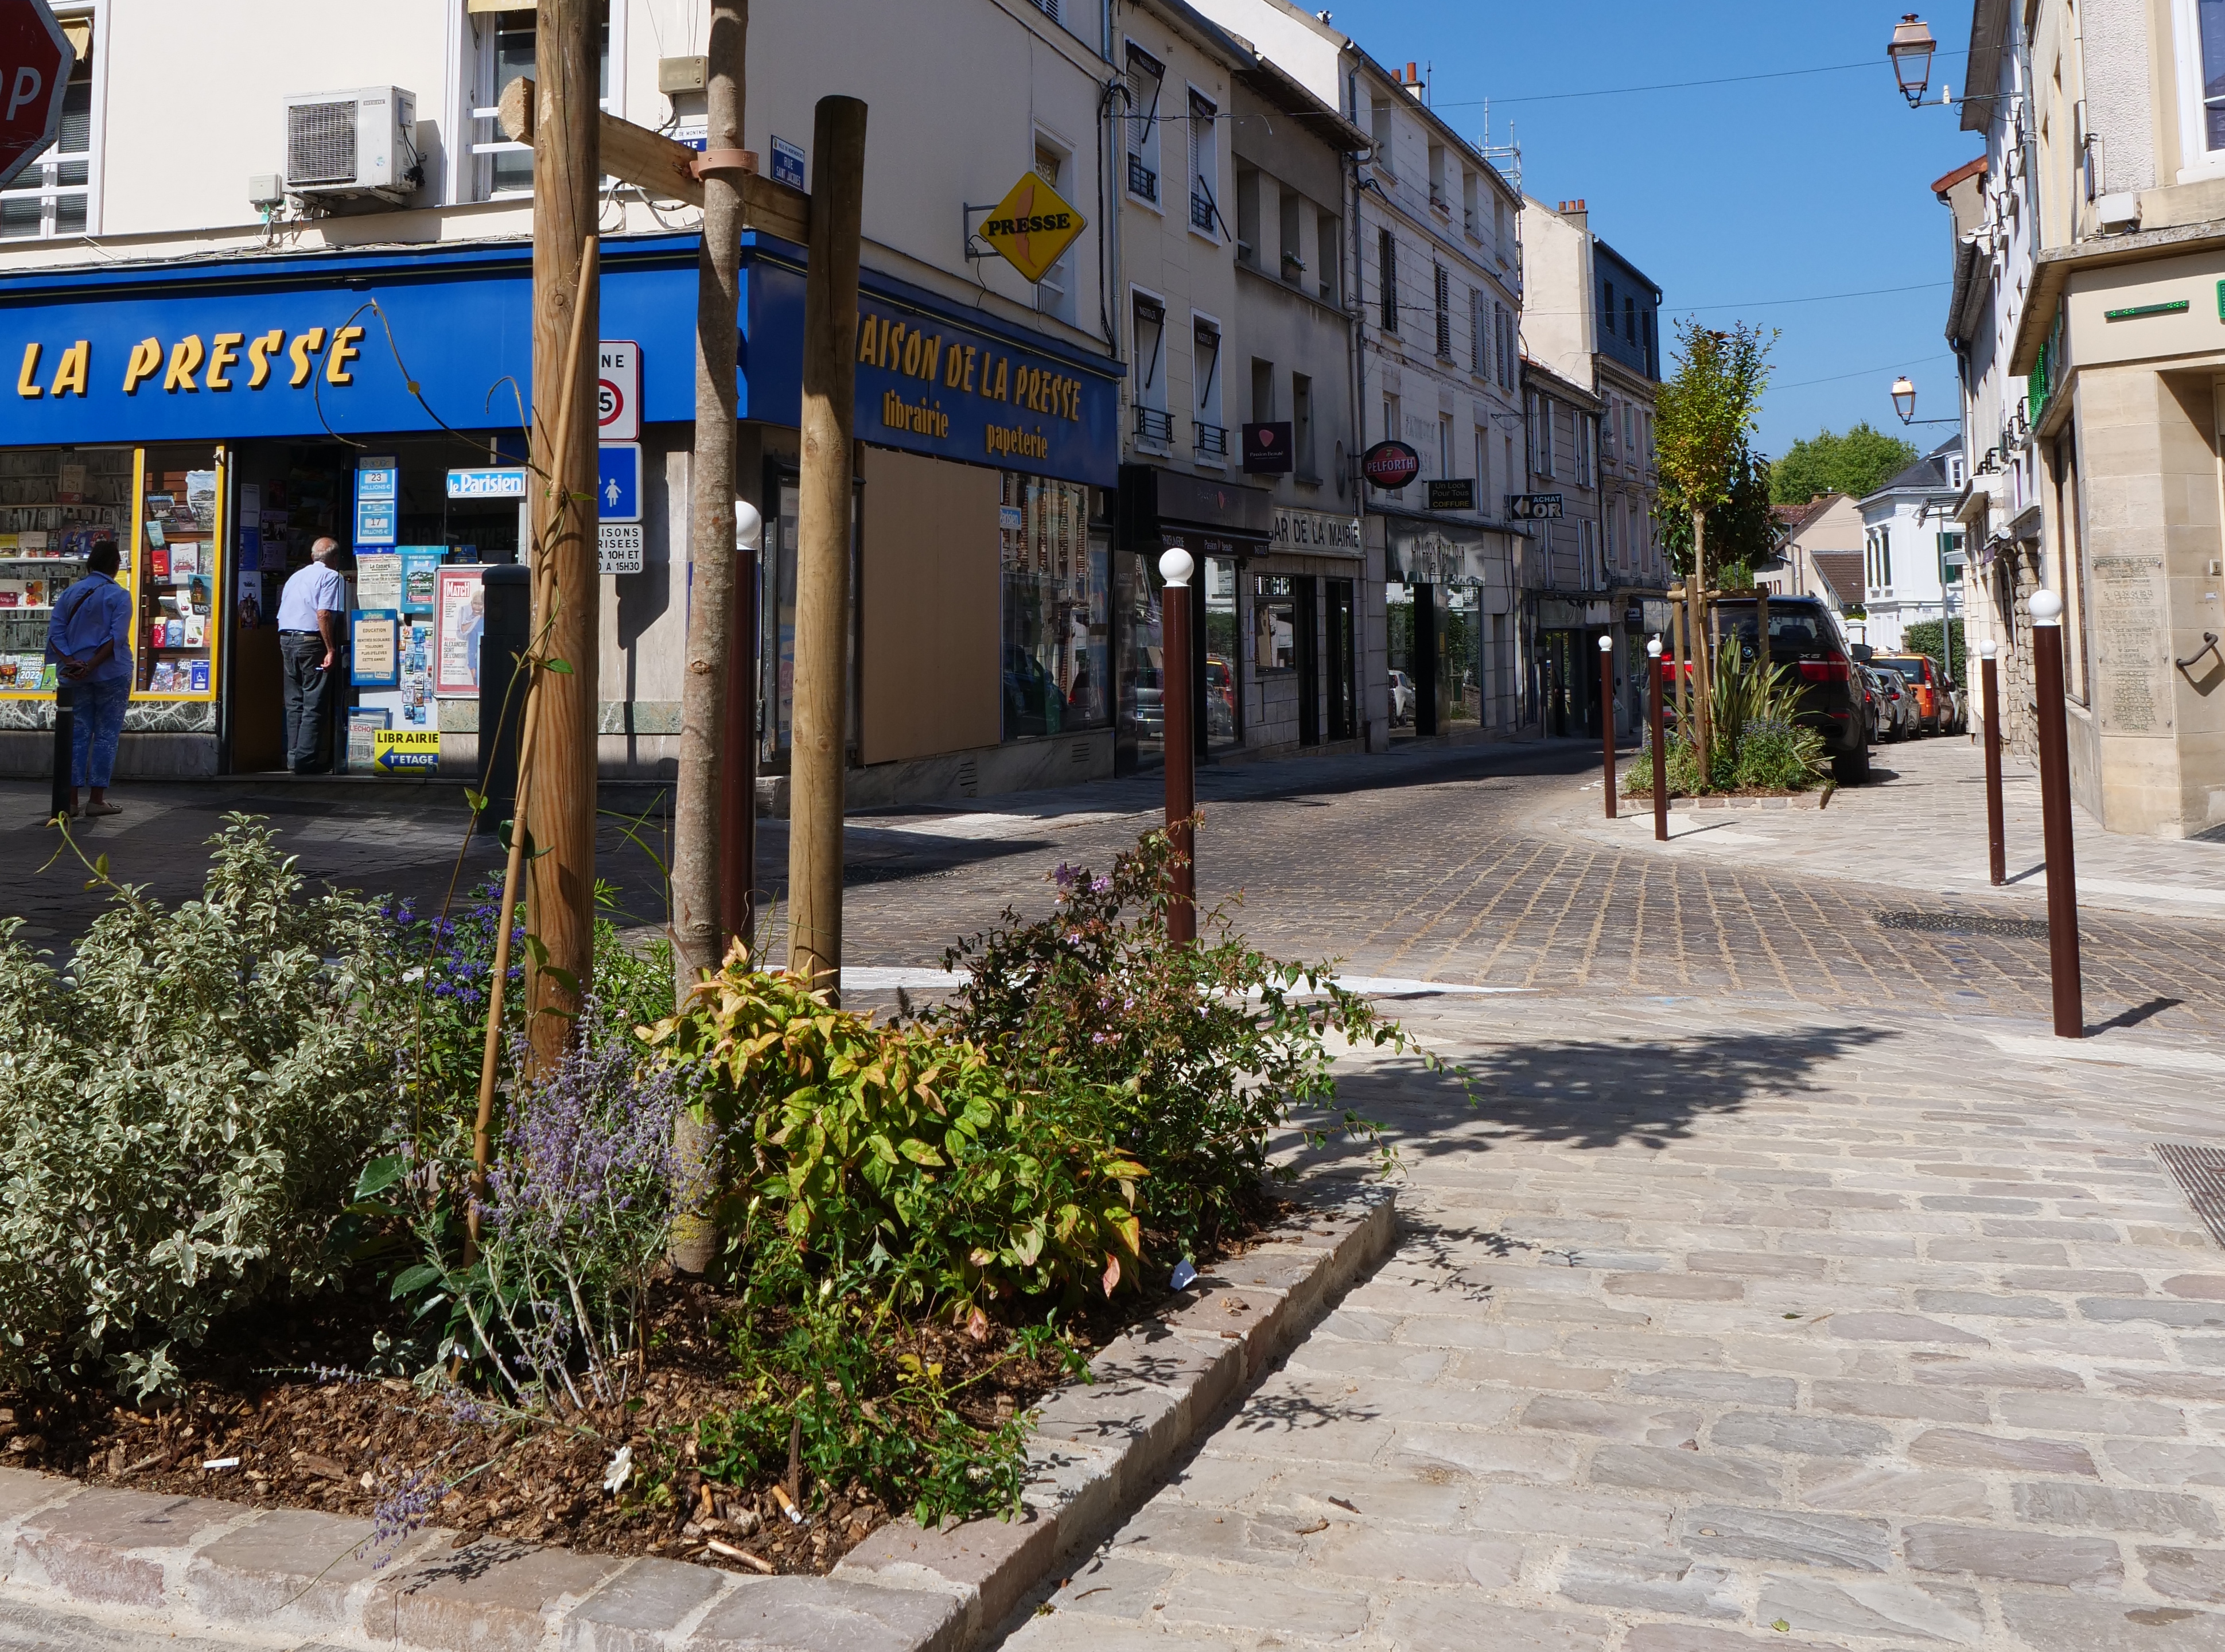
1444	296
1387	257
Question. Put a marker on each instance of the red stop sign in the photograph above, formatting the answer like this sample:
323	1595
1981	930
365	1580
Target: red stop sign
34	71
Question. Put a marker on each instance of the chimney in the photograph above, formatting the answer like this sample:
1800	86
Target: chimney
1412	80
1574	213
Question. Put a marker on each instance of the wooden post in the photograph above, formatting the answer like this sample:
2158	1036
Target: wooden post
1997	854
698	826
1177	671
2062	960
718	651
822	560
560	879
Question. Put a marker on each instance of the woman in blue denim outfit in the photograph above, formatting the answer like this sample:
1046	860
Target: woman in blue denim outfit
90	634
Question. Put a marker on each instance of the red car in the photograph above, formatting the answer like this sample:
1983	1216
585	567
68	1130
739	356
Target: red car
1923	677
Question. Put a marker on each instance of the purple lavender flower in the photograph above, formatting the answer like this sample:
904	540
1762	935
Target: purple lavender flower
401	1511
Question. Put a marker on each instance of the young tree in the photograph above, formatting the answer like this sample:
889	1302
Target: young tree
1857	464
1702	430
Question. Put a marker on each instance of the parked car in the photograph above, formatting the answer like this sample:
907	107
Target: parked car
1958	699
1804	635
1896	703
1402	699
1873	702
1927	683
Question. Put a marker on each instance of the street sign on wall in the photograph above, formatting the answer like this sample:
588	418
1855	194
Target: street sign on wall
1453	493
1532	507
1031	227
1267	448
618	484
35	72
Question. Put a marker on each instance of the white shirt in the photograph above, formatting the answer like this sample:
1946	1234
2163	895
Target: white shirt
312	590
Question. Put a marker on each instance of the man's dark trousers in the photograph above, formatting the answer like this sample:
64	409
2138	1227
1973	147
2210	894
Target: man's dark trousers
308	702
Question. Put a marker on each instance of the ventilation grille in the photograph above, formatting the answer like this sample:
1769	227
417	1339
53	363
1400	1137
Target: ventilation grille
969	776
321	142
2200	1173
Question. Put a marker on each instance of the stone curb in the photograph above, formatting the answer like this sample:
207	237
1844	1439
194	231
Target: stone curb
197	1564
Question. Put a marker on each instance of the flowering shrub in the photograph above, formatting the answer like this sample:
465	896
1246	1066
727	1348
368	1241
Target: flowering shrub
905	1152
1206	1052
577	1210
181	1117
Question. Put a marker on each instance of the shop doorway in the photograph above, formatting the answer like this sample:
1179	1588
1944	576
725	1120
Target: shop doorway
1343	681
1305	594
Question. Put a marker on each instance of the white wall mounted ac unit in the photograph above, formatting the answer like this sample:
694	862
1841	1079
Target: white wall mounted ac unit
353	145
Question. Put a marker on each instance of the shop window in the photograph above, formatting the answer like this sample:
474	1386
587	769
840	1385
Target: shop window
1145	80
1275	624
501	45
55	503
53	196
1141	735
1212	442
1224	698
1057	616
177	573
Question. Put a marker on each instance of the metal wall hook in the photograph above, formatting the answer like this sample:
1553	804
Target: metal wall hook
2208	646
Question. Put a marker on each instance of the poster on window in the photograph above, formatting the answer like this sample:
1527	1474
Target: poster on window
420	707
459	618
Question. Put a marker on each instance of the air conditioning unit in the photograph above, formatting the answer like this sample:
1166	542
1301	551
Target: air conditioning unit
354	145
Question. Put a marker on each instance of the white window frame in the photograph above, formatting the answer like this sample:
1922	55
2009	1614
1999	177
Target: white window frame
1055	292
31	182
475	48
1147	380
2196	159
1147	149
1203	158
1206	409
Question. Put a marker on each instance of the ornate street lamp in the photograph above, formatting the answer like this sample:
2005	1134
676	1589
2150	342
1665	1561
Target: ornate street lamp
1903	398
1910	51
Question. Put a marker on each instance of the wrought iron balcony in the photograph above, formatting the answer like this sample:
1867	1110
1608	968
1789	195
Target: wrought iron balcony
1200	211
1154	425
1212	439
1142	180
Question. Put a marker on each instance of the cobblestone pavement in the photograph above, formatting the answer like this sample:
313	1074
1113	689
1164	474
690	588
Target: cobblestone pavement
1923	828
1724	1328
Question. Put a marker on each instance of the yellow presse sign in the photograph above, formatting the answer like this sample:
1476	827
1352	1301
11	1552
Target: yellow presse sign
1031	227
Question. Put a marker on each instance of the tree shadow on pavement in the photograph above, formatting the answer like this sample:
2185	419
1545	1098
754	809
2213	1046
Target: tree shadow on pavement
1576	1092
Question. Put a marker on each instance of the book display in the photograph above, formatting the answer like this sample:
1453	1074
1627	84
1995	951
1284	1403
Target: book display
179	535
55	502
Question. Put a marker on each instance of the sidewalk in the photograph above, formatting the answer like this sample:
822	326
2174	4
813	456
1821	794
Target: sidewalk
1717	1328
1921	825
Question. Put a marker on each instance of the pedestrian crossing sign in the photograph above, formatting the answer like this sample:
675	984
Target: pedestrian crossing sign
405	751
1032	227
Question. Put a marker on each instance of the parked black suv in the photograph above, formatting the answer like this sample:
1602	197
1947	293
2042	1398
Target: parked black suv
1805	637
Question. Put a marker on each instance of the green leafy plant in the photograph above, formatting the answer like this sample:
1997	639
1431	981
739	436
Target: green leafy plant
907	1155
1775	755
181	1115
1211	1052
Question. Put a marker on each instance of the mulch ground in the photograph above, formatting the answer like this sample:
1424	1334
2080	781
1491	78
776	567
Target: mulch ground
262	1418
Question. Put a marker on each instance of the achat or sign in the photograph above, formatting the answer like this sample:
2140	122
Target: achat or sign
1031	227
405	751
1533	507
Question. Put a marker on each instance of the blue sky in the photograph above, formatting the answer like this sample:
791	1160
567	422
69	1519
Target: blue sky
1727	195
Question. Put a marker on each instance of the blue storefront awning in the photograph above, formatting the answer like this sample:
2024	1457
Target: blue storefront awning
396	341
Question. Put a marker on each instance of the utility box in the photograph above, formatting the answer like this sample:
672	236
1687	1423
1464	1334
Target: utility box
683	74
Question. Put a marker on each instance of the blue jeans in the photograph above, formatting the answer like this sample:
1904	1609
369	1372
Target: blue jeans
95	724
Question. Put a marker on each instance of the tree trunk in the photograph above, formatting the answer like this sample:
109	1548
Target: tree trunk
823	568
560	879
698	938
1702	665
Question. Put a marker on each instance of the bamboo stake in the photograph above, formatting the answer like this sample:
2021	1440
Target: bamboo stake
544	597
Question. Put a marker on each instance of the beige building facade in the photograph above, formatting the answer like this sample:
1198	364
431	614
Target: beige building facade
2090	253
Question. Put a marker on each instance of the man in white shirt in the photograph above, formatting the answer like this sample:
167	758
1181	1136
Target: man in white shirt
311	613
